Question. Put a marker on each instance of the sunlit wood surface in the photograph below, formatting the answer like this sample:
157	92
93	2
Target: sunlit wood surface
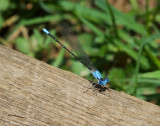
33	93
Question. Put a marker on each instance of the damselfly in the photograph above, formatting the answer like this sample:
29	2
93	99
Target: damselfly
79	53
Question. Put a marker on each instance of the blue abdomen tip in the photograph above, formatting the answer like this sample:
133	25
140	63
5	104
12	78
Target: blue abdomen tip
45	30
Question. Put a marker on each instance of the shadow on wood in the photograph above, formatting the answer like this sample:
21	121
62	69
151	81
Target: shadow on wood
35	93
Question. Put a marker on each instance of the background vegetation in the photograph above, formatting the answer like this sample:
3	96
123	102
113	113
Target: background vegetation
123	46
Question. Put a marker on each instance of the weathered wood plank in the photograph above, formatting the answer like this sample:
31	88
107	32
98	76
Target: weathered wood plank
34	93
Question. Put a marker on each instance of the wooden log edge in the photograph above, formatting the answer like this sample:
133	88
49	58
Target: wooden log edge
35	93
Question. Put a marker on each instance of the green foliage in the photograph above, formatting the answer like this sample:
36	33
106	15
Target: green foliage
22	45
4	4
59	60
154	74
123	46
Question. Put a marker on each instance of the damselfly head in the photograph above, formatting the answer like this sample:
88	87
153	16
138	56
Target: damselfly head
103	81
106	80
105	84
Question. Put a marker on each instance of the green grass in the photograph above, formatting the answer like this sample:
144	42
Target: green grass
125	47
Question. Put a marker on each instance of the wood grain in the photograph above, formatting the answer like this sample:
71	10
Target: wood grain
33	93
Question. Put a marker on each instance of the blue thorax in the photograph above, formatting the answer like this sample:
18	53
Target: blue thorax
97	75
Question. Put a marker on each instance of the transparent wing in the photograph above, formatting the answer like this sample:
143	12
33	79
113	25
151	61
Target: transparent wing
76	46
